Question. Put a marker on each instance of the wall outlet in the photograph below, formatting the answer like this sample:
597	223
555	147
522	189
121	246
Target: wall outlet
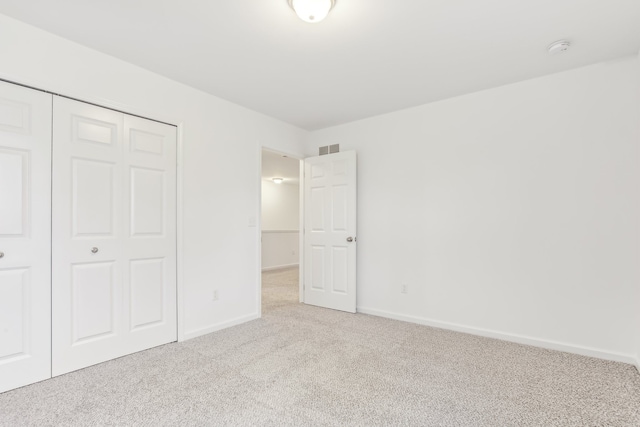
404	288
215	295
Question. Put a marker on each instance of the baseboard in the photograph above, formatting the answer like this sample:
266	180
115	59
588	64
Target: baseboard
219	326
520	339
281	267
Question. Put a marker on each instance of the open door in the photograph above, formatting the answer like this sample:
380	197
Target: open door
330	231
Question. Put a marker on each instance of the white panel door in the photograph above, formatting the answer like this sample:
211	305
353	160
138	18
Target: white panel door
330	231
150	233
87	289
113	272
25	236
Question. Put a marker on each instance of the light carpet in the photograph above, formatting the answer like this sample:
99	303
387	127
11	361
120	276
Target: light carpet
306	366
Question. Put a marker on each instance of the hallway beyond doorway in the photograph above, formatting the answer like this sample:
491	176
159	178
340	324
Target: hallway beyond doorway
279	289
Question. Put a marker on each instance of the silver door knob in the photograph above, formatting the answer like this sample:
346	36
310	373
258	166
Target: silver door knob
94	250
349	239
1	254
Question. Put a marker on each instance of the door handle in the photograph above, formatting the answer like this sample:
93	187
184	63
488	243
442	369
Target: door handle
349	239
1	254
94	250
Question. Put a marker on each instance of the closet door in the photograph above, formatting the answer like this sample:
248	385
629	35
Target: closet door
87	235
25	236
114	235
149	247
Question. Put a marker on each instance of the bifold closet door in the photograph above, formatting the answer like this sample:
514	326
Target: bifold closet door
25	236
114	235
149	246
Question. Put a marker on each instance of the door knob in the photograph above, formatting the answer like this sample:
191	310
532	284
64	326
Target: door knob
1	254
94	250
349	239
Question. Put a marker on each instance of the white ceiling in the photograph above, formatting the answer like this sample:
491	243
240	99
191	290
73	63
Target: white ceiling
368	57
276	165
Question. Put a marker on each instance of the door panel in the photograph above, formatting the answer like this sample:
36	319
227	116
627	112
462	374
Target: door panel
88	130
340	280
16	114
150	232
147	142
114	277
25	236
87	233
317	267
93	292
340	208
15	300
147	292
316	209
147	202
330	220
94	185
14	199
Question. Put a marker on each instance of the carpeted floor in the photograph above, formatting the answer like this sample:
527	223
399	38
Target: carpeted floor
307	366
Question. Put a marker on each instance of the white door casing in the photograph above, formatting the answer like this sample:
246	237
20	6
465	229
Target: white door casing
330	231
114	236
25	236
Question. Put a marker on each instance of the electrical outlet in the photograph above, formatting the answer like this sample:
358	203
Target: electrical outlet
215	295
404	288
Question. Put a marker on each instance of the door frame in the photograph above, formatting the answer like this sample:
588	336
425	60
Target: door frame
157	116
300	159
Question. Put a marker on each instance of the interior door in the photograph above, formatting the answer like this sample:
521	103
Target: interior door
330	231
114	285
25	236
87	296
149	246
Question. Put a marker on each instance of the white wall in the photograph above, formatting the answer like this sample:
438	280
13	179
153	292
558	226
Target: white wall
280	224
512	212
280	249
221	141
280	206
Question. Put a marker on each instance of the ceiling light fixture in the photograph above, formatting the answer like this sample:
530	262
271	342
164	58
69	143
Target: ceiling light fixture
312	11
277	180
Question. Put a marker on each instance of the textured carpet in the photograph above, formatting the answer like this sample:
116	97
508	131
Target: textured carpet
307	366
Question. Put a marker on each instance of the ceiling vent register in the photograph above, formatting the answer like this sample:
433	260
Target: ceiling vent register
329	149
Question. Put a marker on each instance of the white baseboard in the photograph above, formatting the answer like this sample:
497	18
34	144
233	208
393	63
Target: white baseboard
219	326
280	267
520	339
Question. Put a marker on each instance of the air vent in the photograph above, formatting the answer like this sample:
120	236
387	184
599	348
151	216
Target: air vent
329	149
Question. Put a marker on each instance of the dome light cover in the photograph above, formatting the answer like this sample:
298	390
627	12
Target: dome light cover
312	11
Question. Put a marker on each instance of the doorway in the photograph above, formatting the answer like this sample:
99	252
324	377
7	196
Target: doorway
280	230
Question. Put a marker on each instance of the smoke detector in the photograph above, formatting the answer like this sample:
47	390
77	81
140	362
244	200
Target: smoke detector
559	47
